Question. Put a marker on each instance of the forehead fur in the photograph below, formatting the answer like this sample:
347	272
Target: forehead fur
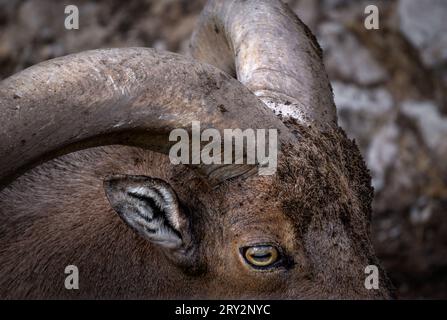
324	177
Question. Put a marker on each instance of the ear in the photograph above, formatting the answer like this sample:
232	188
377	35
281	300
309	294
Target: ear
151	208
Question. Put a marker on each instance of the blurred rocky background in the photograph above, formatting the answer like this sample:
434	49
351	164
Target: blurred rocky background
389	86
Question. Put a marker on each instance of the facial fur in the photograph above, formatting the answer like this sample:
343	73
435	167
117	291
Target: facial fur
316	210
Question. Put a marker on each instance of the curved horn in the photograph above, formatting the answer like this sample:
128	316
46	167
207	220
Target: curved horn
132	96
272	52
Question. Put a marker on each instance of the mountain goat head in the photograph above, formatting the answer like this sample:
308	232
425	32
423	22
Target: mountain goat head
86	179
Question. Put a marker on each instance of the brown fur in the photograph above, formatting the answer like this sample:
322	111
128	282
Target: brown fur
316	208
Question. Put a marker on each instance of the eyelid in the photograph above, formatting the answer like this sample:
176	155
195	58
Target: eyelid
275	263
262	256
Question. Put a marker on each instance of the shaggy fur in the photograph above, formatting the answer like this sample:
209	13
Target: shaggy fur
316	208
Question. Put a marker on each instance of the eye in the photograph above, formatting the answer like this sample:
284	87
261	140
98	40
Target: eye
261	256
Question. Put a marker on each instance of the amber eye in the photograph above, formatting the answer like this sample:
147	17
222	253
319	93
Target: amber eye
261	256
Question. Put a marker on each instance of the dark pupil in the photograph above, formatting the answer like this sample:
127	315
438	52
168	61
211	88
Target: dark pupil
261	256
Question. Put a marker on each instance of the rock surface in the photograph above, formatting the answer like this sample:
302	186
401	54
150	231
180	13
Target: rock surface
423	24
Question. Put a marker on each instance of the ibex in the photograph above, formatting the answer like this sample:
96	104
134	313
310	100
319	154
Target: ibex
86	179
